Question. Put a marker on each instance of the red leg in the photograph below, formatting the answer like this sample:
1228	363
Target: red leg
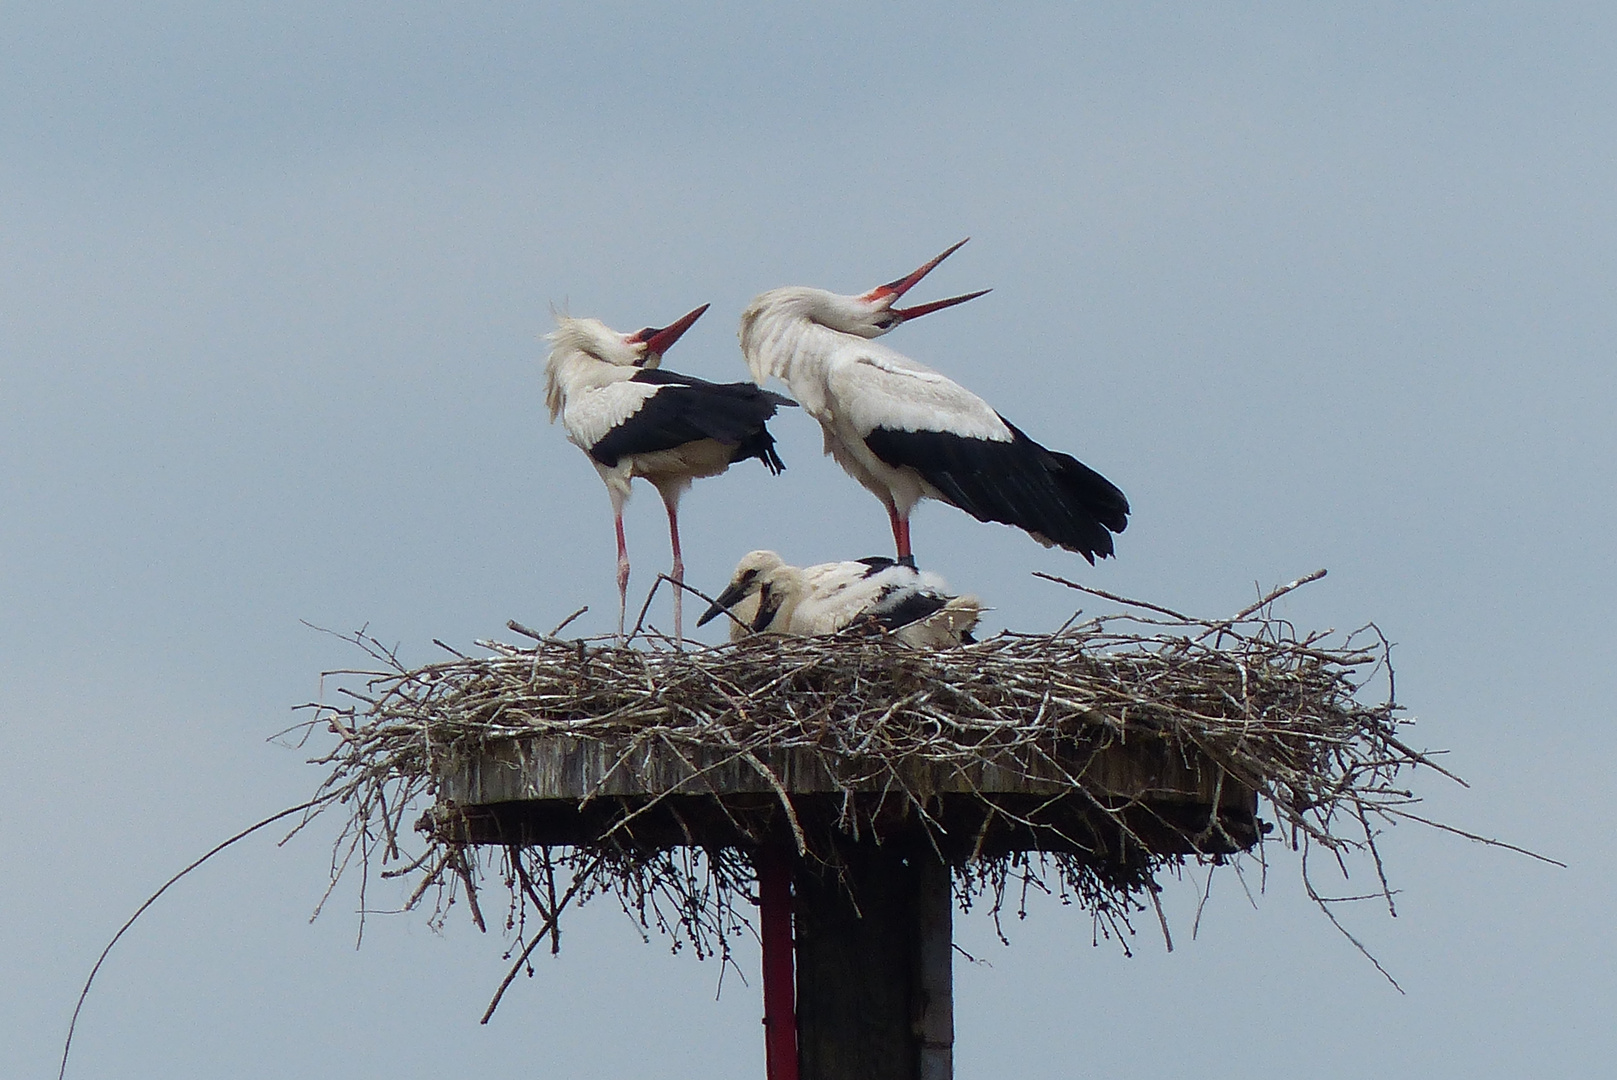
901	535
780	1007
671	501
623	564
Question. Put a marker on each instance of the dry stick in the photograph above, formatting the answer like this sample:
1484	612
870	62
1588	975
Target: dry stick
650	596
1103	594
546	639
527	887
1473	836
512	624
653	593
550	922
73	1024
465	872
1225	624
550	889
431	876
568	621
1207	893
1418	758
1324	905
1162	919
1375	853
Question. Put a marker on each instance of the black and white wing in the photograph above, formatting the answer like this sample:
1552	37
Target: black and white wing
661	410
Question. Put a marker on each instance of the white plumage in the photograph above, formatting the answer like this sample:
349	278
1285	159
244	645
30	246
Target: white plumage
907	432
632	419
767	595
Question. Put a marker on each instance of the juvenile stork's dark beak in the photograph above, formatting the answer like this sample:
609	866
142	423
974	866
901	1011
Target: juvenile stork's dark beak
895	289
659	341
731	596
768	604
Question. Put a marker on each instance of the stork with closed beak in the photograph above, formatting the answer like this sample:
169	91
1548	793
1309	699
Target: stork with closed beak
767	596
633	419
907	432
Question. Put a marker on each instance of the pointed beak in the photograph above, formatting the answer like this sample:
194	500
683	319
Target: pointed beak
768	605
659	341
730	597
894	289
918	310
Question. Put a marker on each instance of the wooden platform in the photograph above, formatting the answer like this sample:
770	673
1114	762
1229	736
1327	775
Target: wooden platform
872	938
568	791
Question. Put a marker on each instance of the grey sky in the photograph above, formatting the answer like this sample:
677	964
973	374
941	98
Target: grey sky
1315	287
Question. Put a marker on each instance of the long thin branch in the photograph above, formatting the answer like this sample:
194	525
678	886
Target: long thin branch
549	925
73	1024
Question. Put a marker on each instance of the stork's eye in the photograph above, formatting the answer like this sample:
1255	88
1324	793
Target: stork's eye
643	336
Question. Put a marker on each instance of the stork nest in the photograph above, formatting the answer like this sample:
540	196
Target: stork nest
1278	711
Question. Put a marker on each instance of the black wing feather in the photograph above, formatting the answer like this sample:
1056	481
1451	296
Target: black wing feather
1018	483
687	409
913	605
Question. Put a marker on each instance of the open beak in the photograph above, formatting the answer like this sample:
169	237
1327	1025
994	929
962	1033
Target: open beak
898	288
895	289
937	305
730	597
659	341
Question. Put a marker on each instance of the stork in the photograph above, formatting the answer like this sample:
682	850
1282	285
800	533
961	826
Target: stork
634	419
766	595
908	433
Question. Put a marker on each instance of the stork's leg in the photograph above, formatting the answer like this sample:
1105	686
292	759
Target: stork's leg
671	501
901	535
623	562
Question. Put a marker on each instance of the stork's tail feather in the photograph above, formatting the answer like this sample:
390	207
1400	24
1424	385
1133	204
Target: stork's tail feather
1053	496
1096	494
949	625
759	444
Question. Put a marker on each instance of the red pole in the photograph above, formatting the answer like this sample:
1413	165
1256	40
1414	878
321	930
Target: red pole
780	1007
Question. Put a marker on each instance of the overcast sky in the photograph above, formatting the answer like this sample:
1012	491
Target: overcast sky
1315	285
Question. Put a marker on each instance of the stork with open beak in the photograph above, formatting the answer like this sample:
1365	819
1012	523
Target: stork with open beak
633	419
907	432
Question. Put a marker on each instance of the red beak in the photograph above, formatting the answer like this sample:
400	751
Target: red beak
937	305
898	288
659	341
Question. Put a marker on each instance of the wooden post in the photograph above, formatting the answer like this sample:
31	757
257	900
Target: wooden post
874	974
935	975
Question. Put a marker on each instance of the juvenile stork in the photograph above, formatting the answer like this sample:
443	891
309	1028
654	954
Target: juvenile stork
634	419
908	433
767	596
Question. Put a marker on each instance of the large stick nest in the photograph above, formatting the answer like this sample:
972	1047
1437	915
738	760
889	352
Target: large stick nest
1280	712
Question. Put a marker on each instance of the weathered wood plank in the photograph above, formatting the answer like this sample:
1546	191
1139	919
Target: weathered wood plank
1100	802
561	767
